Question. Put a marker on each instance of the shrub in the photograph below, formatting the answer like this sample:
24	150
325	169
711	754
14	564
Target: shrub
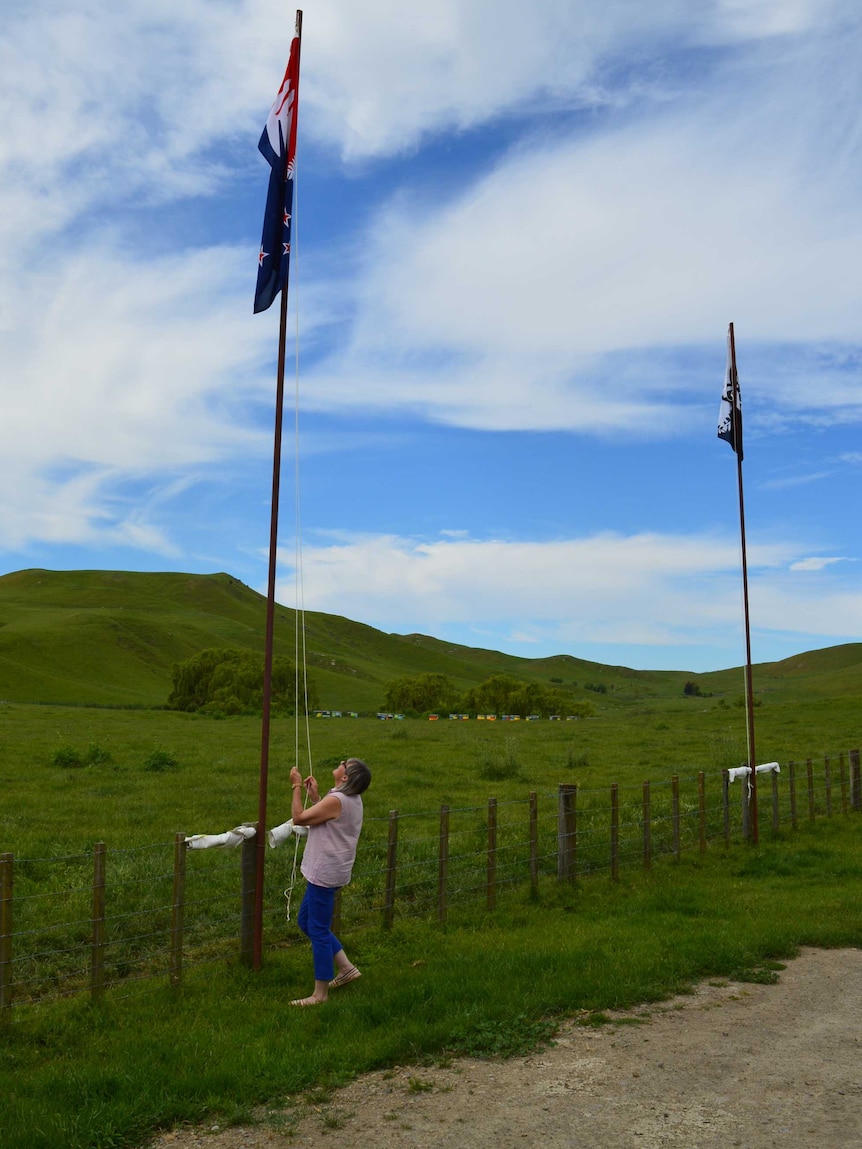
67	757
160	760
495	768
97	756
575	761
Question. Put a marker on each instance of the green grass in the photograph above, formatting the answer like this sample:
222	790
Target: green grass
80	1075
112	637
79	764
148	774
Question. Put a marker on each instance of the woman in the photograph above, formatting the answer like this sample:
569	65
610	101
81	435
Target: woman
334	824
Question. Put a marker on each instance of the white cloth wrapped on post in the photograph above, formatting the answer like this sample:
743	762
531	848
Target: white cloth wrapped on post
226	841
281	833
744	771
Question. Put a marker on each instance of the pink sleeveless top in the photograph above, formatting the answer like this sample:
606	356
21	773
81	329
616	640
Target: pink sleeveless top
330	849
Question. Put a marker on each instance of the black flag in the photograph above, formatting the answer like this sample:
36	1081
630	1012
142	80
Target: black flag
730	412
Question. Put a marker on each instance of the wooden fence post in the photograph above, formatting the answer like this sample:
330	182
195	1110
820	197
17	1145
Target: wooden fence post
491	894
827	786
701	809
534	842
443	866
248	882
842	773
674	793
6	874
647	827
810	771
391	870
725	802
775	822
615	832
791	767
178	909
567	830
97	945
855	782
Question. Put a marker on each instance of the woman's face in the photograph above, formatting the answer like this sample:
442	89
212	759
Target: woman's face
340	773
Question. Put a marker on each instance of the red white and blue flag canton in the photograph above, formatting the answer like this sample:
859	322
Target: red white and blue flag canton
278	147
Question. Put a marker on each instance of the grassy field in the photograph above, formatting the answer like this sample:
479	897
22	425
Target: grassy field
211	779
101	1076
84	658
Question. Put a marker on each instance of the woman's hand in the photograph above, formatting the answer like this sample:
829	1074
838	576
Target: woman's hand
295	777
311	788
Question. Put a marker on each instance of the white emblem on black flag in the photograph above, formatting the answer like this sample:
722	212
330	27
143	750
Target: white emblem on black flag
730	428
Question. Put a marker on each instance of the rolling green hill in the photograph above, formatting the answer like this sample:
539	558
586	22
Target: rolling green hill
112	637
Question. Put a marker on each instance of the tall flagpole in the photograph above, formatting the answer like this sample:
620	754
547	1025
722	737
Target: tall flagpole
270	592
736	409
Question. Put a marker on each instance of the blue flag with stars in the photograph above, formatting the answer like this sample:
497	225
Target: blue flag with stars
278	147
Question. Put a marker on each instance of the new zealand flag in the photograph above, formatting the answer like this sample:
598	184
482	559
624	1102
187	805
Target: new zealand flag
278	147
730	412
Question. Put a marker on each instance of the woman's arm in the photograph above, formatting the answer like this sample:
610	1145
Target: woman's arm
323	810
326	810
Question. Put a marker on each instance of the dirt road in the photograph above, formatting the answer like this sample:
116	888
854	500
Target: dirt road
748	1065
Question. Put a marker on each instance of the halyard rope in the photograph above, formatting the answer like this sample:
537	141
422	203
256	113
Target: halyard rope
300	698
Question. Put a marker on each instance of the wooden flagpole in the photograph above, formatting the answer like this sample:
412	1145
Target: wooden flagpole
736	410
257	948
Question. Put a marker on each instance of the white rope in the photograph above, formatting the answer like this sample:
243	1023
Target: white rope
299	646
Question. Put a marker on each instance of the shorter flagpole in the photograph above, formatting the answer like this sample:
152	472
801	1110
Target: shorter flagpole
736	409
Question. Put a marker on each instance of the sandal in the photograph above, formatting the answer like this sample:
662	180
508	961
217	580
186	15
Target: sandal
344	977
304	1001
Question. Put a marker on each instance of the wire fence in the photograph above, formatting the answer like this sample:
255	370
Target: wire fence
84	922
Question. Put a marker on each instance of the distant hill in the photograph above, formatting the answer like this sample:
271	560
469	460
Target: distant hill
112	637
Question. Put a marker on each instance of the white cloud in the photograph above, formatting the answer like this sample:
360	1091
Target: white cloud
114	369
548	294
605	596
815	563
546	290
643	589
794	481
459	63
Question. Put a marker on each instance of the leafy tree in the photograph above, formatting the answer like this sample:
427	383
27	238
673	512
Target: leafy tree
421	694
596	687
228	681
692	690
502	694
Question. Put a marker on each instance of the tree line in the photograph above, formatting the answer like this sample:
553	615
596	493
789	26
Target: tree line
421	694
228	681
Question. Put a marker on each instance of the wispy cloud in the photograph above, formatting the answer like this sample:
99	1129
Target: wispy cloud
646	589
130	369
816	563
548	293
794	481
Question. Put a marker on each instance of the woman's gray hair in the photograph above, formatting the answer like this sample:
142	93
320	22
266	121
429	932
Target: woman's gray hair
358	777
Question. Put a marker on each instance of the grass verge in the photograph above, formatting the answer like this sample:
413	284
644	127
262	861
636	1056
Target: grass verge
104	1076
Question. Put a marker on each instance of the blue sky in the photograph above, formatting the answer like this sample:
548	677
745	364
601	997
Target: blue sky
520	234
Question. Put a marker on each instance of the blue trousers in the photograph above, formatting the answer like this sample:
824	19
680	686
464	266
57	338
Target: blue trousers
315	921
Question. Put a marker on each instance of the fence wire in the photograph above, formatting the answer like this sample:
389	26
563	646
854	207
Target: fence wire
55	940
